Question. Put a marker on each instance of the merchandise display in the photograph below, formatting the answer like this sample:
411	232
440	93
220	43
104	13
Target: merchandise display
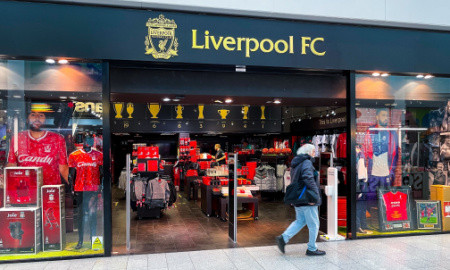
53	218
442	194
402	162
428	215
22	186
86	173
22	233
395	208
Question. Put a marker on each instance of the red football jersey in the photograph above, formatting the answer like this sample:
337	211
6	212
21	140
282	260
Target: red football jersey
48	152
88	171
396	206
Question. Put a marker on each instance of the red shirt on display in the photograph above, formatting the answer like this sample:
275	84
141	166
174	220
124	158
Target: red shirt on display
48	152
88	169
341	146
396	206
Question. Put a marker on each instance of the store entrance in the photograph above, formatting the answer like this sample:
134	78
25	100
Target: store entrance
194	211
263	118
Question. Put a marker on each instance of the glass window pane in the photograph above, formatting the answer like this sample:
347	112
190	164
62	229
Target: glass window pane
51	160
403	141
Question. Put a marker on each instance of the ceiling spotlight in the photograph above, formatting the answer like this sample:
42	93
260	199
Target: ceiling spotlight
333	112
376	74
166	99
299	120
277	101
63	61
321	115
310	117
328	114
241	68
420	76
428	76
73	97
218	101
228	100
63	97
384	74
50	61
176	99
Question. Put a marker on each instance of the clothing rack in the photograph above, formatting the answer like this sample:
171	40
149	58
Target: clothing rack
151	208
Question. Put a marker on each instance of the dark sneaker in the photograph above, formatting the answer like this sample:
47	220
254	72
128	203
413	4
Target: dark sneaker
281	243
315	253
79	245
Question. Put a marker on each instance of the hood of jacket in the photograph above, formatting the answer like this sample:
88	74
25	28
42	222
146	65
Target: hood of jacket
299	160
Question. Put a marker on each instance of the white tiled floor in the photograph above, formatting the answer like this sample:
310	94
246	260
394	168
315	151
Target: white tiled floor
414	252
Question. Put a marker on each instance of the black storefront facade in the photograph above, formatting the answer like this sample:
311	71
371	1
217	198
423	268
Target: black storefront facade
126	54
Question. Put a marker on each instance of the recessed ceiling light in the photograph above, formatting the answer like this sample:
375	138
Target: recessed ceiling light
63	61
277	101
73	97
176	99
228	100
166	99
218	101
63	97
420	76
50	61
376	74
428	76
384	74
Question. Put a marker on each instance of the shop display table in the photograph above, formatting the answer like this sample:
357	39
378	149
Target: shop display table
191	186
209	201
245	200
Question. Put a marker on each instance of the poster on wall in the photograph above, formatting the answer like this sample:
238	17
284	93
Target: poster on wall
428	215
394	208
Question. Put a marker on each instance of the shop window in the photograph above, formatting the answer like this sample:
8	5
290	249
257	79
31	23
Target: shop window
403	154
51	160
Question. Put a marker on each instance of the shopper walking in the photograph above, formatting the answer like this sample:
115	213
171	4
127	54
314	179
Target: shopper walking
302	171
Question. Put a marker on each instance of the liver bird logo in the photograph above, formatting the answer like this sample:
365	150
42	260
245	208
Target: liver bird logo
162	45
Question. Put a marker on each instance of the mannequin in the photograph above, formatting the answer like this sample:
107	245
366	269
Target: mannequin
86	174
381	153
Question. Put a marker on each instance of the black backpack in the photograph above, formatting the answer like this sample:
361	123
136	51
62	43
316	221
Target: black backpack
297	193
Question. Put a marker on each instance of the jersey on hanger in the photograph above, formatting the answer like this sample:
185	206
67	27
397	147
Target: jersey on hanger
48	152
396	203
88	171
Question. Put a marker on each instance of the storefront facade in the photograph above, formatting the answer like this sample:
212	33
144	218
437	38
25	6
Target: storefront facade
393	84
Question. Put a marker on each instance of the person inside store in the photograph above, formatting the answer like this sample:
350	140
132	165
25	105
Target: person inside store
302	169
86	173
37	147
220	155
246	146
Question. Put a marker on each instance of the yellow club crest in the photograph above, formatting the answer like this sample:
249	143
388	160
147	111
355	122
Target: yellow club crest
161	42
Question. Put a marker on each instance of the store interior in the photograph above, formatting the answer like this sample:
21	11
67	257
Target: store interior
265	132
